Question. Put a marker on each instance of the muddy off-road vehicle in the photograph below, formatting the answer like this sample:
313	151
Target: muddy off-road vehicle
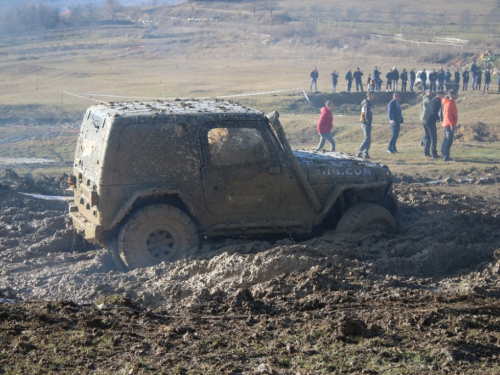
155	178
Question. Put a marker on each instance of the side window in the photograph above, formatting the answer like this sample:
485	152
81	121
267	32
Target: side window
230	146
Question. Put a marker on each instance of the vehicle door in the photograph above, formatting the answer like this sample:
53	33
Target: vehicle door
241	171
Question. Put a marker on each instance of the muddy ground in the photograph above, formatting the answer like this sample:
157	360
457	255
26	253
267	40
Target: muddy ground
423	300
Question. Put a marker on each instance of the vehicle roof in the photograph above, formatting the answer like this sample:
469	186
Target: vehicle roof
175	107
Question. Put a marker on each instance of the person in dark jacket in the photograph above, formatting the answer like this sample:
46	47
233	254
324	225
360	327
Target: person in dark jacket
413	77
388	77
314	79
479	74
440	79
395	78
357	77
348	80
457	80
325	126
431	116
432	80
366	125
423	78
395	116
376	78
335	79
487	79
473	71
465	77
447	79
404	79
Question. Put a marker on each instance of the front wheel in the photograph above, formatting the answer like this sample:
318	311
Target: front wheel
154	234
365	215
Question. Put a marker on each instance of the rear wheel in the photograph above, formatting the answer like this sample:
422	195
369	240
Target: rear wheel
366	215
154	234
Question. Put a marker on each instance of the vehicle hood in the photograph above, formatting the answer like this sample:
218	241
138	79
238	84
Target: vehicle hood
339	168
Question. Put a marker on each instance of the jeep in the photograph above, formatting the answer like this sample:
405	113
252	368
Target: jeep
155	178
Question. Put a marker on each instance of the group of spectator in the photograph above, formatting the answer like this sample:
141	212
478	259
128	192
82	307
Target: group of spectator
435	80
434	108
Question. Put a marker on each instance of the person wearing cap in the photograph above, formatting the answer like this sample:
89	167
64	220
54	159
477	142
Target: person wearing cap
450	120
325	126
431	116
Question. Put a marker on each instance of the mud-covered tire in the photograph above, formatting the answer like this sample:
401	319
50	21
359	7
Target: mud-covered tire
365	215
154	234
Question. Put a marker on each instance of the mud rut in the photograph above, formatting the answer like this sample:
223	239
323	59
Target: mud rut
446	251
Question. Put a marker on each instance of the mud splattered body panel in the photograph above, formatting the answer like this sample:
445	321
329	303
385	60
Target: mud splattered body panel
228	167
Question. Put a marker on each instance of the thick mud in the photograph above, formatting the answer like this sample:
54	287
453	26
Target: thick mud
446	255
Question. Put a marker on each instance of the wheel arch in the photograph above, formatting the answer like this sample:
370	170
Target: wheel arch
151	196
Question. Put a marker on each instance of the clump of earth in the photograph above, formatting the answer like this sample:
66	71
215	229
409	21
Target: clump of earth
250	305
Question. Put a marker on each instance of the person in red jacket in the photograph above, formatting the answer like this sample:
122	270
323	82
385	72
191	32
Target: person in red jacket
325	125
450	120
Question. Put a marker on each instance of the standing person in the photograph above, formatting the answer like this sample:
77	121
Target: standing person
426	98
325	126
373	84
441	77
357	77
366	125
368	83
395	116
432	80
447	79
395	78
457	80
314	79
465	77
404	79
348	80
473	71
412	79
335	79
450	120
388	76
487	79
479	74
431	116
423	78
498	81
376	77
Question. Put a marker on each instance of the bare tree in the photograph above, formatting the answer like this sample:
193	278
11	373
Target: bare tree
442	19
466	20
397	12
490	25
420	18
375	14
270	6
252	6
317	11
336	12
353	16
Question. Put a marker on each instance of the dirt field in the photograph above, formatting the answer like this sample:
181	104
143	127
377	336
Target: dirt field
425	299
